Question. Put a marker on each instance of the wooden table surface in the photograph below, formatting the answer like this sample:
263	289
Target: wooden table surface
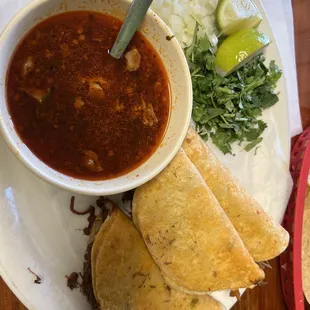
268	297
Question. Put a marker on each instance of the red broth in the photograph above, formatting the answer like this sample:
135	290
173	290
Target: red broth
80	111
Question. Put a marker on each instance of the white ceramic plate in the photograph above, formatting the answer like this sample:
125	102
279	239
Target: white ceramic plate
37	229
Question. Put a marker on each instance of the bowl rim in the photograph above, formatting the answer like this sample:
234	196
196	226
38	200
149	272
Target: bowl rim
100	190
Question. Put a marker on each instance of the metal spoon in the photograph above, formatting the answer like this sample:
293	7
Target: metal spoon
133	20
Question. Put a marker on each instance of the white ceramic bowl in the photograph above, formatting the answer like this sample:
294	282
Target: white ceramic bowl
181	91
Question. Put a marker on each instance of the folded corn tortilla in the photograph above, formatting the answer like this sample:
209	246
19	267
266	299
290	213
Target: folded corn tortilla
96	248
189	235
306	255
306	249
262	235
126	277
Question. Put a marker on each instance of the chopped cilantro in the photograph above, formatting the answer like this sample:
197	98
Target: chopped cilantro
227	109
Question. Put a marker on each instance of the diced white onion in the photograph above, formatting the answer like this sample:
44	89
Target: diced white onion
178	15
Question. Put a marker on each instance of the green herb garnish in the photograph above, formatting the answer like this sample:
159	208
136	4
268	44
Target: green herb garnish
228	109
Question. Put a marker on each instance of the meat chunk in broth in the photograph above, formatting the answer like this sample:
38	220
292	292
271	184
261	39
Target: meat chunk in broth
97	86
95	91
38	94
91	161
28	66
133	59
78	103
148	115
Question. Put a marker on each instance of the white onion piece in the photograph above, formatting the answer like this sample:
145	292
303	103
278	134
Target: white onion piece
178	15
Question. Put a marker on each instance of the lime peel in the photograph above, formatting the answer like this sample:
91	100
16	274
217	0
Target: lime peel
238	49
236	15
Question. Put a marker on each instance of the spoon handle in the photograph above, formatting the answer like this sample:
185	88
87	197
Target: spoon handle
134	18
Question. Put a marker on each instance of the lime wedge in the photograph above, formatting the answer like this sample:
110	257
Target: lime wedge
235	15
238	49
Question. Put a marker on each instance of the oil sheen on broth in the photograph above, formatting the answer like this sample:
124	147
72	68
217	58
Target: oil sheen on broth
80	111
